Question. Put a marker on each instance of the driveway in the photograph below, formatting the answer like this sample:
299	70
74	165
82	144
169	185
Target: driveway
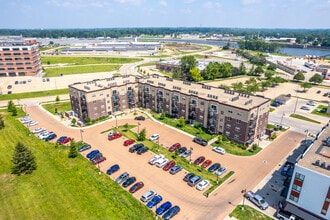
249	171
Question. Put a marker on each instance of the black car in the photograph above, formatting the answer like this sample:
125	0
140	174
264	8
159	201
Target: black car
214	167
129	181
181	150
142	150
188	177
140	118
135	147
51	136
84	147
200	141
171	212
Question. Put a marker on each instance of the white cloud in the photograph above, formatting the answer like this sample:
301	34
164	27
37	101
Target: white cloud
163	3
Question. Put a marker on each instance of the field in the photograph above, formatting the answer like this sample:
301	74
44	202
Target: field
59	106
86	60
60	188
26	95
248	213
51	72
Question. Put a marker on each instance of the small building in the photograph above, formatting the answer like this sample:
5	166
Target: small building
283	99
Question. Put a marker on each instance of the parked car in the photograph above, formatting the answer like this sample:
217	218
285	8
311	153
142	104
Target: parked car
200	141
148	195
326	94
186	153
169	165
181	150
84	147
206	163
154	201
153	160
219	150
129	142
114	136
171	212
220	171
113	169
154	137
311	103
188	177
214	167
38	130
305	108
9	86
26	119
139	118
199	160
161	162
175	169
129	181
50	136
43	135
318	92
122	177
63	140
92	154
142	150
111	133
32	123
202	185
136	187
194	180
135	147
174	147
257	200
275	104
163	208
97	160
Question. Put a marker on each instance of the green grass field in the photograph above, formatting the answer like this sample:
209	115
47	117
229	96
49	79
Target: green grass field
26	95
301	117
60	188
86	60
61	107
51	72
248	213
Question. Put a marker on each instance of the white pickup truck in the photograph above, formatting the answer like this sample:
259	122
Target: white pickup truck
257	200
284	215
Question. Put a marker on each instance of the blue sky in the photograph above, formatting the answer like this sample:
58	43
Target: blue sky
164	13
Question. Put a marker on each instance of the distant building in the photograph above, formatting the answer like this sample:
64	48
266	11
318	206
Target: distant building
309	192
173	65
240	117
19	57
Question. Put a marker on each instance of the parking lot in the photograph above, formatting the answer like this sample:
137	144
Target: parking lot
249	171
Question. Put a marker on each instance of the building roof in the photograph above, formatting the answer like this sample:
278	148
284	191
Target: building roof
317	156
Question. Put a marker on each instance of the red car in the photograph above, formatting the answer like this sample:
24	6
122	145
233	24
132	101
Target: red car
206	163
63	140
114	136
169	165
97	160
174	147
136	187
199	160
129	142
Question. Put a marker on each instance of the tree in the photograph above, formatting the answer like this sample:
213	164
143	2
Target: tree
57	99
73	121
187	63
242	69
225	70
176	74
299	76
196	74
14	111
23	160
238	87
305	85
181	122
10	106
211	71
269	74
73	153
317	78
142	135
271	66
2	122
227	46
258	70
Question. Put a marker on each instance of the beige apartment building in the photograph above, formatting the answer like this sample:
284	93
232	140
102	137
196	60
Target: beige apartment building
240	117
19	57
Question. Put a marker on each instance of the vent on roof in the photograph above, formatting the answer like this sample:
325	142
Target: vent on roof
235	98
87	87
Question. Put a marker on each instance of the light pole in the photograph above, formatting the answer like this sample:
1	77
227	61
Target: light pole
191	149
306	131
243	191
282	120
116	122
81	135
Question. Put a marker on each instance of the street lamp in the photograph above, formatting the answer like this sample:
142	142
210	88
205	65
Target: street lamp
282	120
116	122
306	131
81	135
243	191
191	149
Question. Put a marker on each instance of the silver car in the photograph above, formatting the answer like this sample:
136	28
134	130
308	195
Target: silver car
122	177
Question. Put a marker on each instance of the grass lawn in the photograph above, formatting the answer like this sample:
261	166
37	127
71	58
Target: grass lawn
304	118
248	213
72	60
60	188
26	95
60	106
321	110
51	72
236	149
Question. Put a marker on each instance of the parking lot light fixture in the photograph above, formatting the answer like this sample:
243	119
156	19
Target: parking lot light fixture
81	135
116	123
243	191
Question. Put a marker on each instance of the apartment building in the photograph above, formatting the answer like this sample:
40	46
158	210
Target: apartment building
19	57
309	192
240	117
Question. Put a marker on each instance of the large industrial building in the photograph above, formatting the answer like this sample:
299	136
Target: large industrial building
19	57
309	192
239	117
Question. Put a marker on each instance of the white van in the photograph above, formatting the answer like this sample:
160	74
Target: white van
148	195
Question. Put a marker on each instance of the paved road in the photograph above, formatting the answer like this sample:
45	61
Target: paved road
249	171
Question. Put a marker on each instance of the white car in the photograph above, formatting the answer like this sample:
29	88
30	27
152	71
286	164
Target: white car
161	162
43	135
26	119
311	103
219	150
154	137
32	123
38	130
220	171
202	185
153	160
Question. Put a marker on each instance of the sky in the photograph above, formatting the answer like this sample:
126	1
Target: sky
60	14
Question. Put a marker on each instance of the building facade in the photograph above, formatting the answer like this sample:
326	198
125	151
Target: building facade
240	117
19	57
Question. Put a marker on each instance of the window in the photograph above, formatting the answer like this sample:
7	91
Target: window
8	59
227	133
228	125
296	188
29	68
299	176
7	54
11	68
230	111
238	129
201	117
18	58
238	121
236	136
95	108
222	112
293	198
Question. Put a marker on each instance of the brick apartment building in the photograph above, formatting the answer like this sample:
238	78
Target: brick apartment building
309	192
19	57
240	117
